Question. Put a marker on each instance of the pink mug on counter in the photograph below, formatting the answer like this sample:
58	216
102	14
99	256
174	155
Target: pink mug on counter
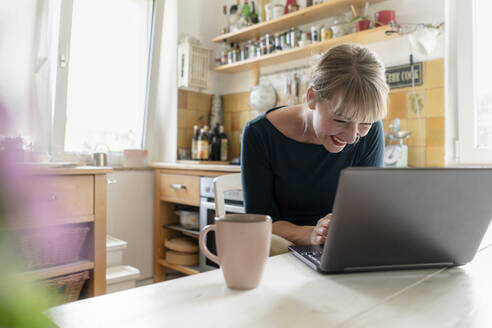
243	245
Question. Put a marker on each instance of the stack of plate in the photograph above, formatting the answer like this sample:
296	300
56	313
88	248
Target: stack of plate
181	251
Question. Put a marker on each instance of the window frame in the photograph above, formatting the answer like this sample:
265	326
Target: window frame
466	82
59	119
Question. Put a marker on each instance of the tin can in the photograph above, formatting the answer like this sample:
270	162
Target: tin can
293	37
263	46
283	41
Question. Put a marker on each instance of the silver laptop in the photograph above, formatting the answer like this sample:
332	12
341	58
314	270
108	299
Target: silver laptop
390	219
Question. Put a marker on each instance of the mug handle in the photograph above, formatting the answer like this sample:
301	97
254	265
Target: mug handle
203	243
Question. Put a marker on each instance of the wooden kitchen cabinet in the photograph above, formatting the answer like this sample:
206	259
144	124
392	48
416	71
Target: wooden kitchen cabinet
177	184
74	196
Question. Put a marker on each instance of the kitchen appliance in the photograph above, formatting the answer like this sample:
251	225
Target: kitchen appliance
233	204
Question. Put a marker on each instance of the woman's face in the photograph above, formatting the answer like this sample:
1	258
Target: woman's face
334	131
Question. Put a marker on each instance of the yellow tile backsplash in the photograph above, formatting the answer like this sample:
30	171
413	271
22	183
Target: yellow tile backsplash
435	102
397	105
428	151
435	132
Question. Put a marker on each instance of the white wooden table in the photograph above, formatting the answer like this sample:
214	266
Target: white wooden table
292	295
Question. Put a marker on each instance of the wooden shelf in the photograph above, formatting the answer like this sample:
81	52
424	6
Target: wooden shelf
364	37
26	224
60	270
188	232
304	16
180	268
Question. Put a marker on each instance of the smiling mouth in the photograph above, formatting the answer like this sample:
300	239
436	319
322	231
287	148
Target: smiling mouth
337	141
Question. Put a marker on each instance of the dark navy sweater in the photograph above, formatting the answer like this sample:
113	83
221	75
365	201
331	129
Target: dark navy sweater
295	181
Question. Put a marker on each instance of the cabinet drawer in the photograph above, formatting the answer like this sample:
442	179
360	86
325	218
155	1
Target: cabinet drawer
178	188
63	196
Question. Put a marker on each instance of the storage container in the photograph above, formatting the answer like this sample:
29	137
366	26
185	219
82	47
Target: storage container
189	219
67	288
52	246
114	251
121	277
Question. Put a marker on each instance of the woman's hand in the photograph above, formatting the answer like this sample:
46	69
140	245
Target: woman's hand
318	235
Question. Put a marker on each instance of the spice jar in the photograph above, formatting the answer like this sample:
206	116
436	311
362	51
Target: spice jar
244	52
326	33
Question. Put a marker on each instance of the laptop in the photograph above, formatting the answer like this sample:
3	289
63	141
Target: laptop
403	218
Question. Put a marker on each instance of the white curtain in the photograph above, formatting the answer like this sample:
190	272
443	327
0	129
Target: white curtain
25	43
161	132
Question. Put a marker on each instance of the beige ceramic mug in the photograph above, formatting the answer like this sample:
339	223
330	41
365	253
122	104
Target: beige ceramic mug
243	245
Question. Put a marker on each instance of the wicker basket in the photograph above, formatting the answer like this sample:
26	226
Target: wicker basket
54	246
67	288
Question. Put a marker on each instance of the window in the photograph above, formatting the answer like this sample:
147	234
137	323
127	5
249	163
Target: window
474	87
102	78
483	47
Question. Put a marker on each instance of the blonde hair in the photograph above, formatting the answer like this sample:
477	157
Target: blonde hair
355	75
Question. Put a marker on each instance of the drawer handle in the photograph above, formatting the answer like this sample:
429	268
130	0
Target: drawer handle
110	181
177	186
52	198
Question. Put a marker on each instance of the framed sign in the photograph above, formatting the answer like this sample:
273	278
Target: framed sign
401	76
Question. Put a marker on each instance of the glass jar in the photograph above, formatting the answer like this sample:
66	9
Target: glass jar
276	43
326	33
230	56
268	44
251	49
244	52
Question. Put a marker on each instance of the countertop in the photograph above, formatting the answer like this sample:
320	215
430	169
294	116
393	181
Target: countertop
200	167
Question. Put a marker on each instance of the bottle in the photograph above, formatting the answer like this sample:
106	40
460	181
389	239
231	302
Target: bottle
202	145
224	144
246	11
215	156
223	53
254	15
210	135
194	143
225	28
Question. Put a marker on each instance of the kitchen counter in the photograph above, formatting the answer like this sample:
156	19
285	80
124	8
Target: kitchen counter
292	295
197	167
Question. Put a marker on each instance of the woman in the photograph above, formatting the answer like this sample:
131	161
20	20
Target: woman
291	157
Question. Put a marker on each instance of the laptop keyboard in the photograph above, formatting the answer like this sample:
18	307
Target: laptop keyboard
315	257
